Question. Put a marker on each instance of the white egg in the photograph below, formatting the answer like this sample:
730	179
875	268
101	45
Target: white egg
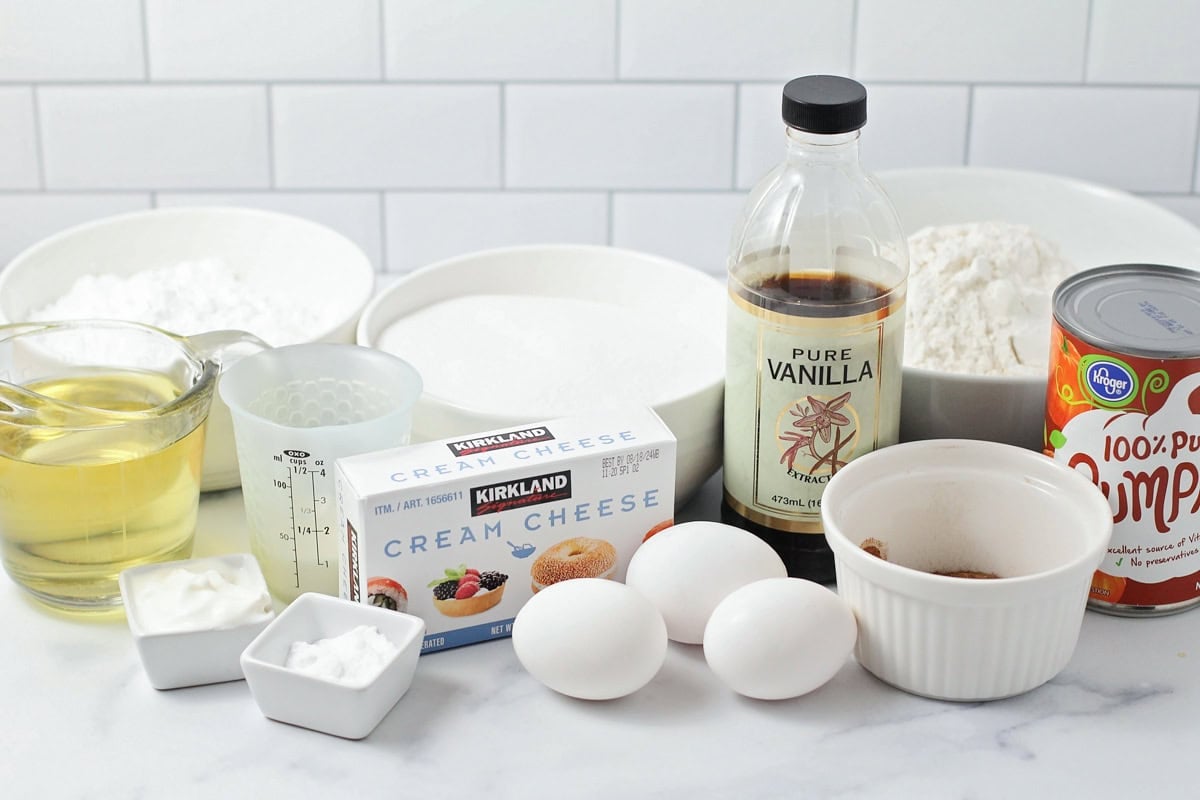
686	570
590	638
779	638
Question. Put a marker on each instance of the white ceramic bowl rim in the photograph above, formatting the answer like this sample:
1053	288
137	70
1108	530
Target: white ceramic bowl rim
279	625
129	577
994	591
683	270
998	380
54	239
1007	173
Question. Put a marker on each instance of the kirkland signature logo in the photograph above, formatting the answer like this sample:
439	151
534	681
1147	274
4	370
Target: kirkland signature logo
499	441
520	493
1111	382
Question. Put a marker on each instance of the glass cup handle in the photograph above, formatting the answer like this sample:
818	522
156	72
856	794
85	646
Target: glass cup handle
225	347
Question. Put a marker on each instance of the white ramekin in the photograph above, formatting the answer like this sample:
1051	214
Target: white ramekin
952	505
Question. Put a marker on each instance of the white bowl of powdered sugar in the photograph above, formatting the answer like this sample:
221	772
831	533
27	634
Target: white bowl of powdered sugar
284	279
524	334
987	248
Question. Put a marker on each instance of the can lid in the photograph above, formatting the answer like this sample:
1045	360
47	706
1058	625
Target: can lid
1146	310
825	104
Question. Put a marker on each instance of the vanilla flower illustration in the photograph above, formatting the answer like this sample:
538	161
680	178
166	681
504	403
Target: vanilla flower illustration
823	416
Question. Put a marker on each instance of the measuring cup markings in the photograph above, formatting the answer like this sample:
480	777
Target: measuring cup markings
296	466
296	410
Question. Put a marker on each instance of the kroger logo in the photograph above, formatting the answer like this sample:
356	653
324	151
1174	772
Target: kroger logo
1109	382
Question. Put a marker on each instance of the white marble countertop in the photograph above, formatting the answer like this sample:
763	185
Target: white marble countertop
81	720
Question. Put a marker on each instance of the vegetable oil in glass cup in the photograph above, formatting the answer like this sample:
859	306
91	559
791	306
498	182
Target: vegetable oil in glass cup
101	441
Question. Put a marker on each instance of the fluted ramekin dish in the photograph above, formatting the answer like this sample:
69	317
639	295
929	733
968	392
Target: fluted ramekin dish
898	517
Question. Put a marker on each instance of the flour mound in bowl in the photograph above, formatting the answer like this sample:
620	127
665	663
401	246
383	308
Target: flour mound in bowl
979	298
523	355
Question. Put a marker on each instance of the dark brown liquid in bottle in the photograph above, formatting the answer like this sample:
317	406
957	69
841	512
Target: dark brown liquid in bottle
814	294
808	294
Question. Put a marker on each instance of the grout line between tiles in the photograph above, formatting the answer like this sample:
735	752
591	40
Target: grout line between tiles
737	127
384	256
966	156
1195	182
382	20
145	42
854	40
370	190
83	83
39	148
1087	40
617	40
611	223
270	106
503	135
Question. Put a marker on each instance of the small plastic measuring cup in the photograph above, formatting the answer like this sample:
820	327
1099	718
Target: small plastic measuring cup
295	410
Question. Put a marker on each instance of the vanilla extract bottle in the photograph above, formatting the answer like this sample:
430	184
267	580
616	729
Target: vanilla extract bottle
817	274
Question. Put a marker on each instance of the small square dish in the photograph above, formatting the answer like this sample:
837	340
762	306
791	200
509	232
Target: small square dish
347	709
192	619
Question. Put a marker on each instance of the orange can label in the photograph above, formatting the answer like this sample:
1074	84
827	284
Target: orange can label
1131	424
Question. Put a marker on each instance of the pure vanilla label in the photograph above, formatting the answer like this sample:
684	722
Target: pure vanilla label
804	396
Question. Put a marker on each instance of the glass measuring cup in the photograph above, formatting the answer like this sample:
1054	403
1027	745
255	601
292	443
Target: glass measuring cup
101	440
295	410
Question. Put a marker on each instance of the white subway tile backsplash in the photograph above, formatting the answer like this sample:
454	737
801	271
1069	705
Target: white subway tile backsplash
509	40
637	122
915	126
387	136
69	40
30	217
1135	139
907	126
1186	206
356	215
18	139
1149	41
692	228
746	40
430	226
619	136
761	131
971	40
127	137
263	39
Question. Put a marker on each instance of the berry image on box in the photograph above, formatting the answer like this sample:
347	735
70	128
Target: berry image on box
465	590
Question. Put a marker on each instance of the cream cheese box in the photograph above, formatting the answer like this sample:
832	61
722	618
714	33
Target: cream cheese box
461	532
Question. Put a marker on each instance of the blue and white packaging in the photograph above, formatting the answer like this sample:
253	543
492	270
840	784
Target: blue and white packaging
461	532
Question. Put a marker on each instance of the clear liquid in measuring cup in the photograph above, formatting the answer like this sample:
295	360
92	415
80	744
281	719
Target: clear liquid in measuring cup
311	523
296	410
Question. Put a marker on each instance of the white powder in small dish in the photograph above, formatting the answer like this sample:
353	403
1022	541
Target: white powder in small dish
523	355
188	298
979	299
355	658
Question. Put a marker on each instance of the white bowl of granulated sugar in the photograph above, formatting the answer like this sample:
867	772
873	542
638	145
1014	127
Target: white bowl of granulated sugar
525	334
987	248
285	279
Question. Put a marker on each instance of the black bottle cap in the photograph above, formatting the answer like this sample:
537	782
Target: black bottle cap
825	104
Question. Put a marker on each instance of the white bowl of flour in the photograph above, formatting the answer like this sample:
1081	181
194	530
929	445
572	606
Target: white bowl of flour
190	270
522	334
988	247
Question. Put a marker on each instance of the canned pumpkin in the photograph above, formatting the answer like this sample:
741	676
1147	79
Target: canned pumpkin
1123	408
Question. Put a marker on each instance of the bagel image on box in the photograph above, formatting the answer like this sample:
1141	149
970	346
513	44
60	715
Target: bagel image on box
461	532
